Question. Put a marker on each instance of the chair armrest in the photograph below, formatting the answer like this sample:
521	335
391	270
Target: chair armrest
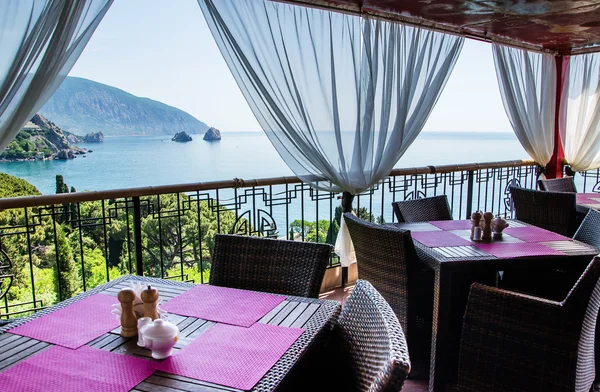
510	340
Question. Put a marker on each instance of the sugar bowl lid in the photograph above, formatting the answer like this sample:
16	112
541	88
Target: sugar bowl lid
160	329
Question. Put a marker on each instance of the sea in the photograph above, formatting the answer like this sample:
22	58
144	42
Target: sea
135	161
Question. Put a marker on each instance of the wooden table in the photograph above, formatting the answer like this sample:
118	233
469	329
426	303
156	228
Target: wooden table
456	268
315	316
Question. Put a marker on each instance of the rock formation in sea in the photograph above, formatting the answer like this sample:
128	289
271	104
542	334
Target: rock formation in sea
182	137
94	137
212	134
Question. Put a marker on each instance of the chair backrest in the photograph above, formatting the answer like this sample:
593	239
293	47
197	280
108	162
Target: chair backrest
565	184
583	304
554	211
422	210
384	255
589	230
270	265
372	341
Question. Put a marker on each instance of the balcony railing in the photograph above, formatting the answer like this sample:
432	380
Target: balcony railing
54	246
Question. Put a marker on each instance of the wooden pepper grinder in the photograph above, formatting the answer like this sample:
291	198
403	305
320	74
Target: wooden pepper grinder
128	317
150	298
475	221
487	226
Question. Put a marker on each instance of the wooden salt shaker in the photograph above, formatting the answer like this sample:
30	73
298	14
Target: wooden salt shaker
487	226
475	221
150	298
128	317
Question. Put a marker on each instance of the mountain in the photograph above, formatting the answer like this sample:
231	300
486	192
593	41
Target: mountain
82	106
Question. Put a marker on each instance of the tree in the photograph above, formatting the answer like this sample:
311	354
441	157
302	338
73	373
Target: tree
67	279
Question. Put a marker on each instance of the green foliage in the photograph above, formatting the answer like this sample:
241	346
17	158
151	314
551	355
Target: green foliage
12	187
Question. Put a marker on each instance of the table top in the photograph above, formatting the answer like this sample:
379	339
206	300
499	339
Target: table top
589	200
475	251
310	314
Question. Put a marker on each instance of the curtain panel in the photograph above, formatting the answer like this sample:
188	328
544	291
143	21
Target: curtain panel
341	97
40	41
580	112
527	82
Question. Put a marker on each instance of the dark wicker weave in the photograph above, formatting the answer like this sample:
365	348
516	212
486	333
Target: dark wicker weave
386	257
565	184
517	342
422	210
554	211
269	265
372	343
589	230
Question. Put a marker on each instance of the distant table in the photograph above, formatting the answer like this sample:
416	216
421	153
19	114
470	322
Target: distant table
314	316
457	266
588	200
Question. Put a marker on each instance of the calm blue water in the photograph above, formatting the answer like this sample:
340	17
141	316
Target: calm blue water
124	162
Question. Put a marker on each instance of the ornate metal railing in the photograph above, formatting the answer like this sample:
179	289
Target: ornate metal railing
54	246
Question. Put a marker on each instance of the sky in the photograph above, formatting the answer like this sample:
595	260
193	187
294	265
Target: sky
163	50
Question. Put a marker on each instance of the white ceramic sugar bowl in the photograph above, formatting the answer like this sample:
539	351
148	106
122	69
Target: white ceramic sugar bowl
160	336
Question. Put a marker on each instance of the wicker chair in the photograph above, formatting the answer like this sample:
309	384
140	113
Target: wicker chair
269	265
517	342
565	184
589	230
370	343
386	257
554	211
422	210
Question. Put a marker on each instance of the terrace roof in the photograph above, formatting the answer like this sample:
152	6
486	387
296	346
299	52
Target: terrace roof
560	26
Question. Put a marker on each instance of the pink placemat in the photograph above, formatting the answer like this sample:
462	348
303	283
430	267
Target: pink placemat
85	369
223	304
232	356
74	325
439	238
587	198
534	234
509	250
453	224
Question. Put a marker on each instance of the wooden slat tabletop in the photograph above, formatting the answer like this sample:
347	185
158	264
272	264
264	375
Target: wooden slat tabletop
315	316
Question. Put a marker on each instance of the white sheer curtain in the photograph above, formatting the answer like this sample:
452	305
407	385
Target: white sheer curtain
40	41
527	82
341	97
580	112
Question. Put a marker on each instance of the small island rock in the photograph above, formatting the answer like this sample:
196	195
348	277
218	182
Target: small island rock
212	134
182	137
94	137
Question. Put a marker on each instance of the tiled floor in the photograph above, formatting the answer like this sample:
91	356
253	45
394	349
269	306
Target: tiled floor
341	294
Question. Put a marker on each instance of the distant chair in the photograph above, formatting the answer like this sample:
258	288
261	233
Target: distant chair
386	257
554	211
269	265
370	344
565	184
517	342
422	210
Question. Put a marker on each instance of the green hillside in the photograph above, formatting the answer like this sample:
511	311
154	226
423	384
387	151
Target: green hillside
11	186
82	106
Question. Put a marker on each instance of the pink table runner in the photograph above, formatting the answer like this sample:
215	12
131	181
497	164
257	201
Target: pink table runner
534	234
453	224
509	250
84	369
233	356
439	238
223	304
588	198
74	325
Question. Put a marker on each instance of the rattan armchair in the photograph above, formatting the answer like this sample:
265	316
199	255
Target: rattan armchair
554	211
422	210
386	257
370	344
517	342
269	265
565	184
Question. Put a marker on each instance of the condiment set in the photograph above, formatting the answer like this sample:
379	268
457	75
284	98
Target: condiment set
483	226
153	332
